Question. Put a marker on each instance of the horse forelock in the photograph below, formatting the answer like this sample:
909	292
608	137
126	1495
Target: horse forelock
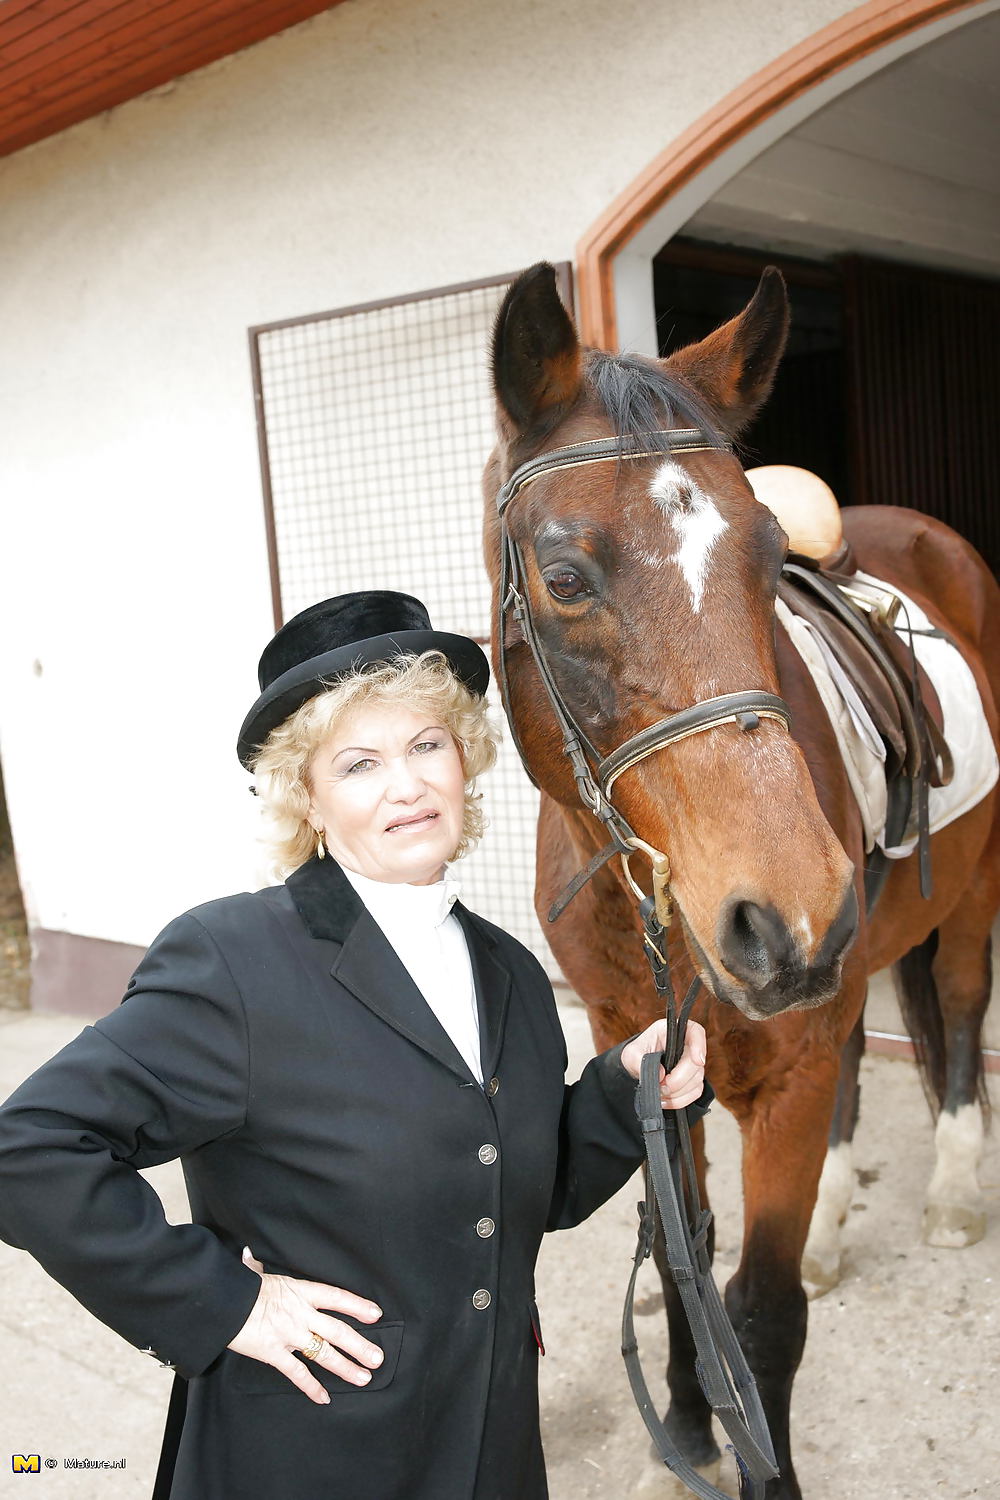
641	398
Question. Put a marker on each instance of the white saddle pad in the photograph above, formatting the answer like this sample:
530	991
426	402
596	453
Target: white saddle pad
965	727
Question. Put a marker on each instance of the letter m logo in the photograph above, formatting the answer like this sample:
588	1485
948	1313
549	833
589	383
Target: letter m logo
22	1464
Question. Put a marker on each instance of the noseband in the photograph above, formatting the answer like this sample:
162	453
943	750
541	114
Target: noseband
595	776
671	1180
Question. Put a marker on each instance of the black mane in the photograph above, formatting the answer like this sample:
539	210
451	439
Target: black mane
640	399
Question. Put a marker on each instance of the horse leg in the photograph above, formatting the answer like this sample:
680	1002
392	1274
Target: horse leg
784	1142
689	1417
945	987
821	1257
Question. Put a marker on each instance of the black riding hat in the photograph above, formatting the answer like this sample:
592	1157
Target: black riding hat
329	638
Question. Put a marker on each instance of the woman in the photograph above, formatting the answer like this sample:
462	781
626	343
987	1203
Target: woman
364	1082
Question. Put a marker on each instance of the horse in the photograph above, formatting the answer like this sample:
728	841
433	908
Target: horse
651	582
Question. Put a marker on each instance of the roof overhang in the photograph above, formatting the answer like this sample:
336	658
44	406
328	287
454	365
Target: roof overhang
62	61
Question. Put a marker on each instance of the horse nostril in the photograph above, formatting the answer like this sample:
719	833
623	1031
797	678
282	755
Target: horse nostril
754	949
843	932
757	947
754	943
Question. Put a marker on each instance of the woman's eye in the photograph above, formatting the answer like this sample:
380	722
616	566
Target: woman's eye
565	584
359	763
428	745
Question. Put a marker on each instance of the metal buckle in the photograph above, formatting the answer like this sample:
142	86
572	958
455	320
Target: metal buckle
661	880
882	603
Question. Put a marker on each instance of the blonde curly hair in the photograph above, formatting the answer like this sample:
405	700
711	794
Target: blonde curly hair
426	681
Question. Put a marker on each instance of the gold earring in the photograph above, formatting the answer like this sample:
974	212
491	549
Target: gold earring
320	846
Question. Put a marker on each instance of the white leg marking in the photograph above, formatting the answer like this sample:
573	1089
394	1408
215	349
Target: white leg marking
954	1216
696	520
821	1257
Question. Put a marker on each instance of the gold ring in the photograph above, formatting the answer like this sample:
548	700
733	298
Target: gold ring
313	1347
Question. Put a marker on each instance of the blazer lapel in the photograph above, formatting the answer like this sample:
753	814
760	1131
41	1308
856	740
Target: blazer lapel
369	966
372	970
493	982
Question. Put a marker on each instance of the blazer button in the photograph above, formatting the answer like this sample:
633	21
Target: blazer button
481	1298
485	1228
492	1087
487	1155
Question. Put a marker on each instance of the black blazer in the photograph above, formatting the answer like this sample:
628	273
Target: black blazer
276	1043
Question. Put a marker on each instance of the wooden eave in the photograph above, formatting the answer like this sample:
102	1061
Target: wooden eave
62	61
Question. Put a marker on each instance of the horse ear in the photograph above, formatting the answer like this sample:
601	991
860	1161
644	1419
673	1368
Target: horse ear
734	367
536	353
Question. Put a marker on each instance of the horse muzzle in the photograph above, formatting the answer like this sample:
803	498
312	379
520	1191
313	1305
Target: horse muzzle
765	969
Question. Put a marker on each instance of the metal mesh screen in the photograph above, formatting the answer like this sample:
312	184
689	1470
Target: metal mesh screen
374	426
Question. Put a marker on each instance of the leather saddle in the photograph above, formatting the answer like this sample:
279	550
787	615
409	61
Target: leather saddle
855	622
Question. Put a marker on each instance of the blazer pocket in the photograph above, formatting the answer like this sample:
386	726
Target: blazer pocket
255	1378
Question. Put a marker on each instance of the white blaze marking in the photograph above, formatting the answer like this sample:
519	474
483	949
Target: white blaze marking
696	520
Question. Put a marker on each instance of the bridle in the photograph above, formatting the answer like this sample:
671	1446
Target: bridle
671	1181
596	775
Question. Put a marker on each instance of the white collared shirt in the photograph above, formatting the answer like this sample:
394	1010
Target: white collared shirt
419	923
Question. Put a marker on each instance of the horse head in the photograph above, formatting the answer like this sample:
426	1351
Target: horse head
651	583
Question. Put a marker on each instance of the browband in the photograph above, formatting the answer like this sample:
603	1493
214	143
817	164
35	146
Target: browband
676	440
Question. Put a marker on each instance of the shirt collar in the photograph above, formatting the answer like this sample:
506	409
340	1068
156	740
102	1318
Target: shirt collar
398	902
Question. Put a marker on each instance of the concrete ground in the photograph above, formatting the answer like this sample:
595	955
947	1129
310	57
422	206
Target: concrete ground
896	1398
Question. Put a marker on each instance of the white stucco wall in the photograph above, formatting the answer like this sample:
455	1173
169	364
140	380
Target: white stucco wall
386	146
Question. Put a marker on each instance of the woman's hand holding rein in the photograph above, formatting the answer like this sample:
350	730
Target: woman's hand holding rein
684	1084
286	1317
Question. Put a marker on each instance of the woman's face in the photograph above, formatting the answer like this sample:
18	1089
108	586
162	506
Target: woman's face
388	787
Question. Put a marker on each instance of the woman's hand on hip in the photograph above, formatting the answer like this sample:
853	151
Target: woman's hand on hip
684	1083
286	1315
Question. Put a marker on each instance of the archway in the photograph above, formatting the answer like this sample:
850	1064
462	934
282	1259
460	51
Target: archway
614	286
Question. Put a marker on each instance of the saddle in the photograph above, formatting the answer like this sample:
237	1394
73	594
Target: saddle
856	622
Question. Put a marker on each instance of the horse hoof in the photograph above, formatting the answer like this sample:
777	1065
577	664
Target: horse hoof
819	1275
952	1226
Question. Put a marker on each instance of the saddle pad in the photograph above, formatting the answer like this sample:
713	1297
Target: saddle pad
965	727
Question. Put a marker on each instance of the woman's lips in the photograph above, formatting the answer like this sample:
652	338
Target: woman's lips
420	822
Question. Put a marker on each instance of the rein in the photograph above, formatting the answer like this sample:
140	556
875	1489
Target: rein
721	1367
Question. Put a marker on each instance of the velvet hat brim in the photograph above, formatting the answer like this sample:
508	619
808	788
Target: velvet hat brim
307	679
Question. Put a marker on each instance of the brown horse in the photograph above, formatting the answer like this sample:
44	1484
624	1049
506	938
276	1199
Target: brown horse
652	585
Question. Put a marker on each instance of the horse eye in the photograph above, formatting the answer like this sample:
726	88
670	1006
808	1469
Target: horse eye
565	584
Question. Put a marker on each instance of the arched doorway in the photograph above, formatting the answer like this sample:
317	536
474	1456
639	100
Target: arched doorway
614	289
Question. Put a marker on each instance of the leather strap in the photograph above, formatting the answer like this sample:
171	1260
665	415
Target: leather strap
720	1365
580	879
732	708
668	440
